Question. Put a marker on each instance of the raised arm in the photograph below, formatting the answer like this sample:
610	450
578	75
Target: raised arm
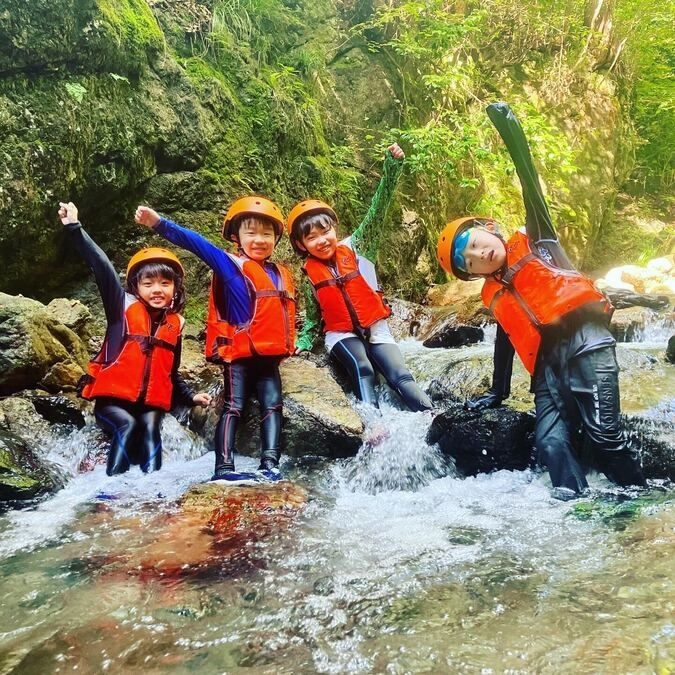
538	223
537	217
366	237
107	279
238	303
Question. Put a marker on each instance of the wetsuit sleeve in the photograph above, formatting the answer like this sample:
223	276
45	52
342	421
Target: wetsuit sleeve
107	279
238	307
182	391
538	223
311	328
366	237
503	365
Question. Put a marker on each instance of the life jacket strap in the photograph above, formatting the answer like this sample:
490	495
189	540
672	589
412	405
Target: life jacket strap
149	342
269	293
338	281
509	275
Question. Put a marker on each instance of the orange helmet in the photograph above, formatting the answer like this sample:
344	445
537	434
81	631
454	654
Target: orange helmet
307	208
446	241
252	206
154	254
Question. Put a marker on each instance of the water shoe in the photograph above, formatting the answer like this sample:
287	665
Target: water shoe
236	477
271	475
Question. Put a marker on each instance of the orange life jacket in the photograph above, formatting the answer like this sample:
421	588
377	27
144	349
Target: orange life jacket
271	330
141	373
532	294
346	299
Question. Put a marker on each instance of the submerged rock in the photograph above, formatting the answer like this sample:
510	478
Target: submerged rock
211	531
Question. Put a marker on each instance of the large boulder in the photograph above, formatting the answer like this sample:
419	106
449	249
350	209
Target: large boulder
502	438
36	349
318	417
73	315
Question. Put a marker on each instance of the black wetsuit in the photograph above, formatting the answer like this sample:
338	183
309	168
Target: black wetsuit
575	384
361	359
134	427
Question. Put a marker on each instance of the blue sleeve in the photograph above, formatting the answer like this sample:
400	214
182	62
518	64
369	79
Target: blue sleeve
237	304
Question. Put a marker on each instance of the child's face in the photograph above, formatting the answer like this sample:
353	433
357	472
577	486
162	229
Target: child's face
156	292
320	242
257	238
484	253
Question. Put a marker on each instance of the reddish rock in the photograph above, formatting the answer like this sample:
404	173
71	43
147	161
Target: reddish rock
212	527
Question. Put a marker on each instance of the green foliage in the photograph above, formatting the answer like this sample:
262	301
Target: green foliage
76	90
133	24
650	48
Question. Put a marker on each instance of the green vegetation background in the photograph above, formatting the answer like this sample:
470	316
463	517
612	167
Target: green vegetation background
188	104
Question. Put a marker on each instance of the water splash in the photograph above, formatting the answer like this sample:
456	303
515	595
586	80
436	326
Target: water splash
394	455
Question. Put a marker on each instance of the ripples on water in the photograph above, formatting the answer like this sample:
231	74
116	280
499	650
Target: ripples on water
395	566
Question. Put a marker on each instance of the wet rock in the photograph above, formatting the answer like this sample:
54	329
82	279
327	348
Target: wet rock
627	324
484	441
60	410
23	476
318	418
212	528
35	349
656	277
409	319
451	335
655	440
502	438
456	294
670	350
19	416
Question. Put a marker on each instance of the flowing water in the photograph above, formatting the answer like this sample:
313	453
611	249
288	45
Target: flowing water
394	566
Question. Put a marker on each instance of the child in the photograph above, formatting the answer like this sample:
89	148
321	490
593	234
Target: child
555	319
343	284
134	377
251	321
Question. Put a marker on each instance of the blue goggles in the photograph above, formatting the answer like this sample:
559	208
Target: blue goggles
458	247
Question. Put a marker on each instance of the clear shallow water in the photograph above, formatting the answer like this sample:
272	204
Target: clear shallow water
394	566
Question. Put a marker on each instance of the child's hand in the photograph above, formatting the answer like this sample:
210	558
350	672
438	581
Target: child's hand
396	151
68	213
146	216
203	399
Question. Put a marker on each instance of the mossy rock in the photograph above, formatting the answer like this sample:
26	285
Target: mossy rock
22	475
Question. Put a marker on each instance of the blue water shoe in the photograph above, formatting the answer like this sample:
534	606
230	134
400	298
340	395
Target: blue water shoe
236	477
271	475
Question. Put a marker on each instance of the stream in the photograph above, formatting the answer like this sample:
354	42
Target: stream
395	565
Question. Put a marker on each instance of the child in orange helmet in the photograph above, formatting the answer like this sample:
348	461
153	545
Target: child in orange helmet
343	288
555	319
250	325
134	377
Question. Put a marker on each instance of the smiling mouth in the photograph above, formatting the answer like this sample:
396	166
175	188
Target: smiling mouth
492	255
